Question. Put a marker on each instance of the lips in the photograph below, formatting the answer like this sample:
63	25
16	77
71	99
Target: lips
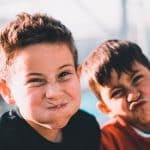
58	106
134	105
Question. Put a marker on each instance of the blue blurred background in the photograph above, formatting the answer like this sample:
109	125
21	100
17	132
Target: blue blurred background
91	22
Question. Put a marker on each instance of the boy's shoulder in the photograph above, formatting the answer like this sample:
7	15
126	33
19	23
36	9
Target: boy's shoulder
116	127
9	124
83	125
8	130
83	129
83	117
118	134
114	124
8	119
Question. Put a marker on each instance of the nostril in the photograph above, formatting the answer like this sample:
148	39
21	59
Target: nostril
133	96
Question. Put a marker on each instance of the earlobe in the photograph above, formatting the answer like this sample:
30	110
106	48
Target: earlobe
5	92
102	107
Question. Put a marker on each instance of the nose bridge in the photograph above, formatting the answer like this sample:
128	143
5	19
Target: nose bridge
52	89
133	94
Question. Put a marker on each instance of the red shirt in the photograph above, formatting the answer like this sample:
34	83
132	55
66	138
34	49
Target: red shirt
118	135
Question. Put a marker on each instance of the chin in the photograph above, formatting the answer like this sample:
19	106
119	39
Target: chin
59	125
145	121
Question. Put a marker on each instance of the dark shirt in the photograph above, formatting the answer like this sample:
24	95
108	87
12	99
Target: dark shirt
81	133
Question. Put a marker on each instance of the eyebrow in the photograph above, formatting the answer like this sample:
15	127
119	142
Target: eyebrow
134	72
67	65
39	74
34	74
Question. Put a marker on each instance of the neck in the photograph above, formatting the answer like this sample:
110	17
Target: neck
52	135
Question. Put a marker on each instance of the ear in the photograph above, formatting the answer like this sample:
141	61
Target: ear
103	108
79	70
6	92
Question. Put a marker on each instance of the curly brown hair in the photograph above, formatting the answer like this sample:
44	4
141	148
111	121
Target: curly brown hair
29	29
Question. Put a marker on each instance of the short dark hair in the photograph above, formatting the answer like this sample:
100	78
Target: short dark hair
30	29
112	54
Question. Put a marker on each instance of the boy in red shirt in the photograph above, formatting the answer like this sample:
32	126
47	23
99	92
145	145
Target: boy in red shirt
119	74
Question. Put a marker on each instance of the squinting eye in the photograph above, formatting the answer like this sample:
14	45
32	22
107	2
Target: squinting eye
136	79
35	80
63	74
117	93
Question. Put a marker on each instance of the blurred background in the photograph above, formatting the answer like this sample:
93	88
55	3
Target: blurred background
91	22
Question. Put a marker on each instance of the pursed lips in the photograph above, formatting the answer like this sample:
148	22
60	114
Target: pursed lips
54	107
135	104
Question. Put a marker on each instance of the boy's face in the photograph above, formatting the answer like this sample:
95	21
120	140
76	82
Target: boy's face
128	96
44	84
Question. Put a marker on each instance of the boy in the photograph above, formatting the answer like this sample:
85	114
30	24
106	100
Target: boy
119	74
39	75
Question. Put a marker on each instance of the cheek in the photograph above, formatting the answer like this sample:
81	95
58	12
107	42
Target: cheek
27	98
119	105
29	103
145	90
34	97
124	106
74	89
18	95
77	88
144	86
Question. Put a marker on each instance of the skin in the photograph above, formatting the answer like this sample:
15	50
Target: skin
45	86
128	96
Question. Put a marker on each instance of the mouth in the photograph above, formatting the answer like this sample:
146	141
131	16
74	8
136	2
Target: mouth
57	107
134	105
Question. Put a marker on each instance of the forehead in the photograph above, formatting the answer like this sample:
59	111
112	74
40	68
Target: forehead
44	49
43	55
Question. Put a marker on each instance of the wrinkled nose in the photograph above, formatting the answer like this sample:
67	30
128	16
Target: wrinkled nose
133	95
